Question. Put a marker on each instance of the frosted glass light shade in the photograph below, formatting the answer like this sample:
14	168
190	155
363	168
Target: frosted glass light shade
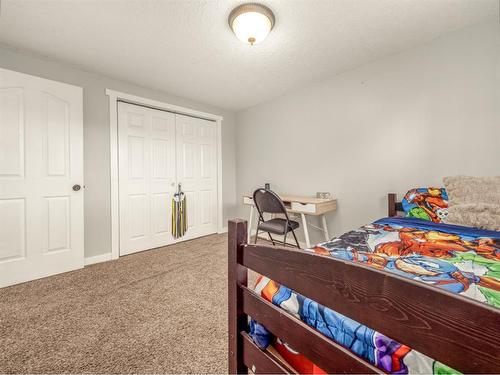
251	23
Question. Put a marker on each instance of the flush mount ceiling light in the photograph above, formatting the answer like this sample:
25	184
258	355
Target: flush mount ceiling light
251	22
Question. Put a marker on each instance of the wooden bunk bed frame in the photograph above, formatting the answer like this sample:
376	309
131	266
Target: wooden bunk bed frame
450	328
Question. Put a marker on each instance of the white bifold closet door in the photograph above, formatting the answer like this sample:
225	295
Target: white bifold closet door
41	160
157	151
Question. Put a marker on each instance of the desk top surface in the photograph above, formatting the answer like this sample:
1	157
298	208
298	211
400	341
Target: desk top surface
299	199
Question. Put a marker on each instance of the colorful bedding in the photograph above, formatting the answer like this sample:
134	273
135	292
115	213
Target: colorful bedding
459	259
426	204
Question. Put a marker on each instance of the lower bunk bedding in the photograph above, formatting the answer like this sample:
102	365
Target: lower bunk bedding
459	259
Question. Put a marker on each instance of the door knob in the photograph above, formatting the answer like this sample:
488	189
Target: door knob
76	187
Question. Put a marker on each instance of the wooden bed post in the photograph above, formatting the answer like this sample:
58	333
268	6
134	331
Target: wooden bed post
237	275
391	204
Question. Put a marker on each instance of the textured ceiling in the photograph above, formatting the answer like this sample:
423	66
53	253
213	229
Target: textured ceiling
185	47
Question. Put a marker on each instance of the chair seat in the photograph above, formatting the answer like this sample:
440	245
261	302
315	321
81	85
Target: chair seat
278	226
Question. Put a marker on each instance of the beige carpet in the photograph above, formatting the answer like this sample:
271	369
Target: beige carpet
159	311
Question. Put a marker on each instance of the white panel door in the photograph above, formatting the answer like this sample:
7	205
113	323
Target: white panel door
41	159
146	177
197	172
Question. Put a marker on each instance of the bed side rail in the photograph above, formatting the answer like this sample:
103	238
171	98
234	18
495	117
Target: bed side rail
457	331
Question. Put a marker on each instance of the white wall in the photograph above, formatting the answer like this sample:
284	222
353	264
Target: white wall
404	121
96	139
401	122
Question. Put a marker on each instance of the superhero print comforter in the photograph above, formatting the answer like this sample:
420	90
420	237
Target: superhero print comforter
459	259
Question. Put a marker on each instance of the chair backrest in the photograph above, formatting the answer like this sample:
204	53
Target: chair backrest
268	201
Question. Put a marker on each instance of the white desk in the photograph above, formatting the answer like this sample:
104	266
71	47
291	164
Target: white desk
300	205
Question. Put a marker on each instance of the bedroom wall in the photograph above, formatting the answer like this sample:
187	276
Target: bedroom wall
404	121
96	138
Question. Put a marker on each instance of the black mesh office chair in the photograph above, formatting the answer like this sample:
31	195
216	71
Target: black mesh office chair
267	201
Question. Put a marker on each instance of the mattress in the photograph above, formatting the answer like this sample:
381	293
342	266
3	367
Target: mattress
462	260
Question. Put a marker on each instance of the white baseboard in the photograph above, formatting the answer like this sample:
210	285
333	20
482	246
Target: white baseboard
223	230
97	259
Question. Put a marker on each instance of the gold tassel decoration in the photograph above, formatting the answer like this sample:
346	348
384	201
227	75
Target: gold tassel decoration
179	214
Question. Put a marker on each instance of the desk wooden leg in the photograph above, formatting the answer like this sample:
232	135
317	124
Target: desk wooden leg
250	221
325	227
306	231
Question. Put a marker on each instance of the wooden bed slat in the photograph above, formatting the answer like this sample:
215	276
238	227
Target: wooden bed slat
330	356
259	361
457	331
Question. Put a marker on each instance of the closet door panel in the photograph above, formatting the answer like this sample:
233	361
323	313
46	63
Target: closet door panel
163	176
146	177
197	172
